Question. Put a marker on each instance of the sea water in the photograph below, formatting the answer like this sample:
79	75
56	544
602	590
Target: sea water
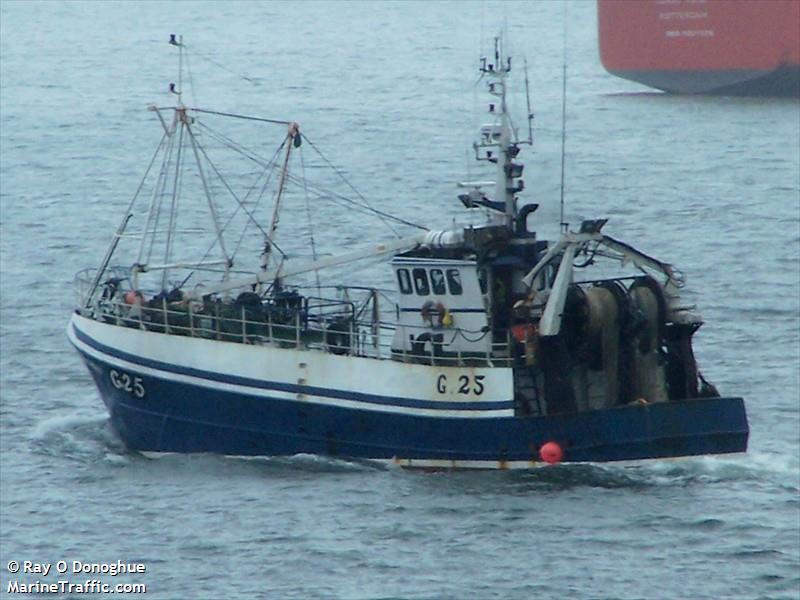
388	92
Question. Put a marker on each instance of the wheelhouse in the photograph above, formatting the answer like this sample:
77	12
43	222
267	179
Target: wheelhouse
442	308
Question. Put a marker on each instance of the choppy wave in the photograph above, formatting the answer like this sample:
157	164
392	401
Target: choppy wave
708	184
78	438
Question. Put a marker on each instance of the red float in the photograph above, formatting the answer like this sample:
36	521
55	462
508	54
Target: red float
551	453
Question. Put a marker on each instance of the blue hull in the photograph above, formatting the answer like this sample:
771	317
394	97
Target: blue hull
179	417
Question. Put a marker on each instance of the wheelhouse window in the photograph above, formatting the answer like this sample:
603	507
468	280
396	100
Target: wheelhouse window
437	282
454	282
421	282
404	281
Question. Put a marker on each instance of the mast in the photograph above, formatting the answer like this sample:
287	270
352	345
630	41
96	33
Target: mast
173	169
500	135
292	138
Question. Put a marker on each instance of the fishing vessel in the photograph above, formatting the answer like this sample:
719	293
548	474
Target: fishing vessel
496	349
732	47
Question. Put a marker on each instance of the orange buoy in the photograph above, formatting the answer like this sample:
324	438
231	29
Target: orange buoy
523	332
551	453
133	297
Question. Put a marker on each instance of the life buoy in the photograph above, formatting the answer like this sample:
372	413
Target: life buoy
527	334
133	297
524	332
436	314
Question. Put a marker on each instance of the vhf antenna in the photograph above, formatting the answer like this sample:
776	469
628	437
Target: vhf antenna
528	99
177	41
563	115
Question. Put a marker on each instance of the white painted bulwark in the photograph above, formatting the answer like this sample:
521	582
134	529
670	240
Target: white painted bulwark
313	370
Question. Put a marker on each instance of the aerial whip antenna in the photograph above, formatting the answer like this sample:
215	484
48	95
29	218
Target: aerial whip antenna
563	113
530	112
177	40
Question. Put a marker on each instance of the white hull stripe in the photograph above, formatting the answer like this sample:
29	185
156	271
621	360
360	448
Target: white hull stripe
445	464
283	391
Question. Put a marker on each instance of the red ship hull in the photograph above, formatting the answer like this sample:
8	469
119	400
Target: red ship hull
741	47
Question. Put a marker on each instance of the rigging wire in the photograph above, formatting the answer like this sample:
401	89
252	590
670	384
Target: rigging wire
230	190
321	192
269	169
381	215
166	141
265	167
160	186
297	181
237	116
123	224
224	68
241	149
310	221
345	202
159	192
173	212
350	185
273	226
211	206
191	79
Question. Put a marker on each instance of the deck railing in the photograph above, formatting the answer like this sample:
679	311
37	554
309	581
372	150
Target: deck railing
303	322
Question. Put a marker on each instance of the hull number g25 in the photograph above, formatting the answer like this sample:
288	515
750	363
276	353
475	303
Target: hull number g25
464	385
127	383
